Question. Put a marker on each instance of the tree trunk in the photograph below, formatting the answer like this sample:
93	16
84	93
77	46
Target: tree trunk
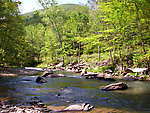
98	53
111	57
79	51
139	24
73	51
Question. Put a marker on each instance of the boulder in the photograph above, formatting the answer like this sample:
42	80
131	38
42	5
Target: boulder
115	86
108	75
83	72
79	107
91	74
137	70
59	65
108	71
128	77
46	73
40	80
100	76
55	75
128	70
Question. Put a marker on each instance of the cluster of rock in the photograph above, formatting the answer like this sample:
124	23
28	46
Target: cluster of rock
140	74
23	109
107	75
77	68
48	74
44	108
18	71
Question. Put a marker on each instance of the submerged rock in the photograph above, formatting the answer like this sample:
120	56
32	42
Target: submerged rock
115	86
40	80
109	79
79	107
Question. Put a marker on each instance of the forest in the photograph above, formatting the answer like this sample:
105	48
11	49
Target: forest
102	30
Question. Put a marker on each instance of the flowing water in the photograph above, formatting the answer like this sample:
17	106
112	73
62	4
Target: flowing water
75	89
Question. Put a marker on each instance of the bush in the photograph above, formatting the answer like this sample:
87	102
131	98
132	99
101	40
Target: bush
102	69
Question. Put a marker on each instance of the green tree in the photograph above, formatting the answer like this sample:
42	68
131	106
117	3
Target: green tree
124	18
12	42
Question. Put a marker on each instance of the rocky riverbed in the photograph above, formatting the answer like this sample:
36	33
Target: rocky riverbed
16	71
55	109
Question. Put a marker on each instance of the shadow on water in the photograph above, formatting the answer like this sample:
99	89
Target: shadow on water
75	89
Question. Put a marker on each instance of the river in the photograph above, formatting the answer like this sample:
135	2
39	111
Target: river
75	89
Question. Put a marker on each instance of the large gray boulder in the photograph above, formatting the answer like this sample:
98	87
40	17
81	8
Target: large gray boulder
79	107
40	80
115	86
128	77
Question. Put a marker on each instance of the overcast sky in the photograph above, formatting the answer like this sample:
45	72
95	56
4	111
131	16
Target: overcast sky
32	5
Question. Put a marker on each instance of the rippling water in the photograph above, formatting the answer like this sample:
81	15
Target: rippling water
75	89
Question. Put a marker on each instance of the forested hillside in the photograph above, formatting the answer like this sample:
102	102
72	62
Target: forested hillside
115	31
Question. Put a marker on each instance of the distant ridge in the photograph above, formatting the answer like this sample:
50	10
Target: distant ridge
66	6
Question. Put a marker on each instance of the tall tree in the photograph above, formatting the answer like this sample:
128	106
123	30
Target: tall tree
12	42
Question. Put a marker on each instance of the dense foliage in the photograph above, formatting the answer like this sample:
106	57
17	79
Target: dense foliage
115	30
12	40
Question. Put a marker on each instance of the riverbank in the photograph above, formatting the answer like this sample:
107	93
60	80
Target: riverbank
16	72
54	109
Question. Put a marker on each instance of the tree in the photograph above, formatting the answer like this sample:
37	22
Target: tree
124	18
55	18
12	43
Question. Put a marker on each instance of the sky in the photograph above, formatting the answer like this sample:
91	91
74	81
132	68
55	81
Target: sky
32	5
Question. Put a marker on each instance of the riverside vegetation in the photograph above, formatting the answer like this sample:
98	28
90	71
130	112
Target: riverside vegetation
99	31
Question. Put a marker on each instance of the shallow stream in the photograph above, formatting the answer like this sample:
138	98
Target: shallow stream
75	89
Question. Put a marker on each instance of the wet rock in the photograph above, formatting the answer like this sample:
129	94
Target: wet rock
40	104
145	72
91	74
128	70
27	80
109	79
83	72
55	75
79	107
108	71
115	74
108	75
128	77
137	70
40	80
58	65
57	95
115	86
100	75
46	73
